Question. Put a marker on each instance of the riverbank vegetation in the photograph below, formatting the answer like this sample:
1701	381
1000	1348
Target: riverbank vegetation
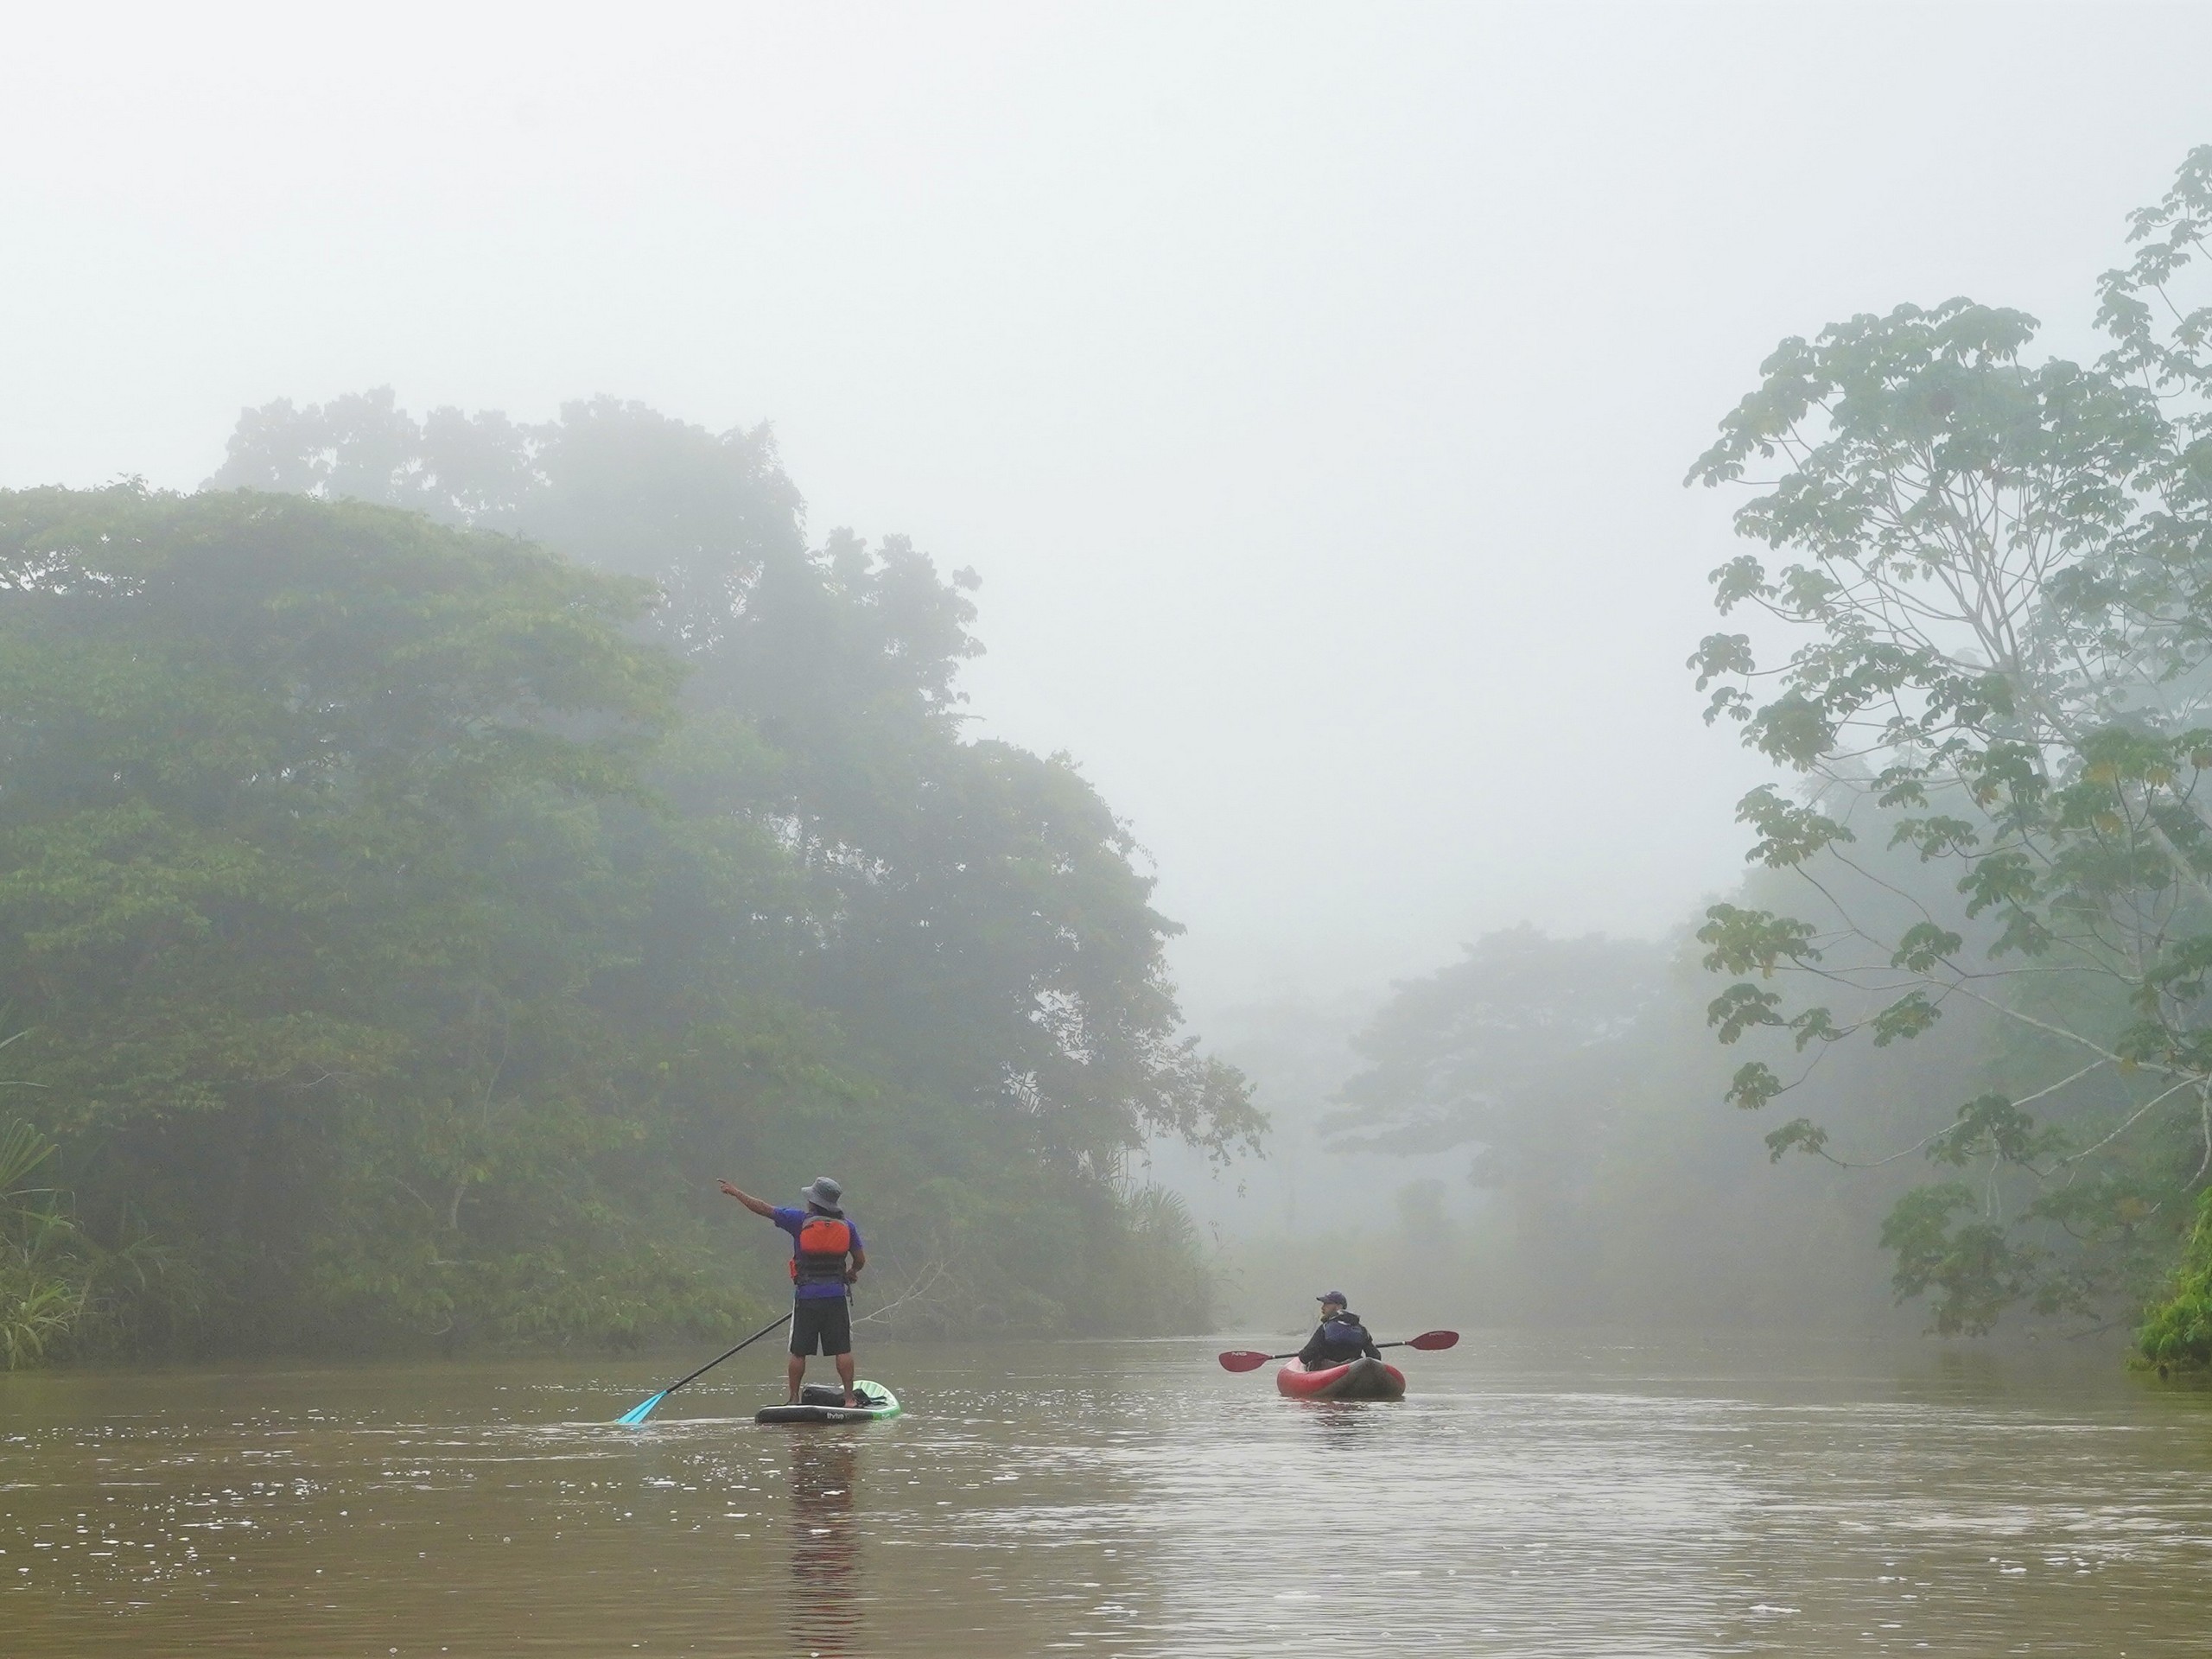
411	901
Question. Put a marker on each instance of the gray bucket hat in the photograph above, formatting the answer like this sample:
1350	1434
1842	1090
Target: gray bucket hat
825	1193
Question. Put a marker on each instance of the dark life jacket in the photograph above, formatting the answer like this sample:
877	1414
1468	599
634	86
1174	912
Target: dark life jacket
1336	1341
1345	1333
818	1258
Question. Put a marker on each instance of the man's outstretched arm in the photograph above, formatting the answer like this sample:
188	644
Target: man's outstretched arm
758	1206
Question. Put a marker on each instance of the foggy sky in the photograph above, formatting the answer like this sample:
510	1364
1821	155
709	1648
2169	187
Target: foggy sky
1311	386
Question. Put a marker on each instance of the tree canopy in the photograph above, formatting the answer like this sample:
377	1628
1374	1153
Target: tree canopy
988	917
405	919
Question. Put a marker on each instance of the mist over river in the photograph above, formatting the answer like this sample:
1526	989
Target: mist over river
1535	1495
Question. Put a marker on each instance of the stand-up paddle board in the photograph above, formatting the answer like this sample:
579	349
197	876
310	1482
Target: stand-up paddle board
820	1403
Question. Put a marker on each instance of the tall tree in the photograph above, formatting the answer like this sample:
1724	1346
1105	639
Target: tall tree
1999	570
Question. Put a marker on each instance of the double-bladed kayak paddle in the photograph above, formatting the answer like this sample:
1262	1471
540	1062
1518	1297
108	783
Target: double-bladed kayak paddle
1244	1359
644	1408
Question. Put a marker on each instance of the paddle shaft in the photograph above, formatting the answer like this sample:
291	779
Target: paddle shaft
1294	1352
718	1358
1429	1341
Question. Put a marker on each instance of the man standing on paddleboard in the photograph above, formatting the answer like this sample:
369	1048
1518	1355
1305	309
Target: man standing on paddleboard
826	1258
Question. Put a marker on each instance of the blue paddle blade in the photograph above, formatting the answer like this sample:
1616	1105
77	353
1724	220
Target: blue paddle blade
638	1414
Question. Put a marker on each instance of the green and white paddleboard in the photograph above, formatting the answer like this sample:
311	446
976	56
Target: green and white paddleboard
819	1403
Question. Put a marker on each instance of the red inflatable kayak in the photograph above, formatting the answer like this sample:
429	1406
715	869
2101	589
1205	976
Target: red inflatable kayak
1363	1379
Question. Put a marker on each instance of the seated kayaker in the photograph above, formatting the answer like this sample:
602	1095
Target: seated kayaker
1338	1339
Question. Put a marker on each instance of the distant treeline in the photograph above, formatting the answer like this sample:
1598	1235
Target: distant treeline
1575	1085
433	853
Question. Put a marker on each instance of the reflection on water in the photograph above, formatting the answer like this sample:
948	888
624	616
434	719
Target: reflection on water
824	1476
1532	1496
1340	1423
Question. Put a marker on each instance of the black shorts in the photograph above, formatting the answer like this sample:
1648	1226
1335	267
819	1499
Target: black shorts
821	1325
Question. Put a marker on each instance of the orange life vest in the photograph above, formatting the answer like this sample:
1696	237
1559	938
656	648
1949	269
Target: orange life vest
819	1256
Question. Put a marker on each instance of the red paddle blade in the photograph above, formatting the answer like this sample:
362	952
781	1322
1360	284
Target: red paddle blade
1433	1340
1242	1359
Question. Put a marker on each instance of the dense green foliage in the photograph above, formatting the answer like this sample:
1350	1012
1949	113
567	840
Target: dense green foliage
2179	1329
980	916
408	923
2000	574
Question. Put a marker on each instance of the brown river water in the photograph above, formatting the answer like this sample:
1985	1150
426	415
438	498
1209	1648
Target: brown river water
1556	1495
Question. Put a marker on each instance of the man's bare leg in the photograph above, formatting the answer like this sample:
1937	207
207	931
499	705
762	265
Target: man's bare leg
845	1375
794	1374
